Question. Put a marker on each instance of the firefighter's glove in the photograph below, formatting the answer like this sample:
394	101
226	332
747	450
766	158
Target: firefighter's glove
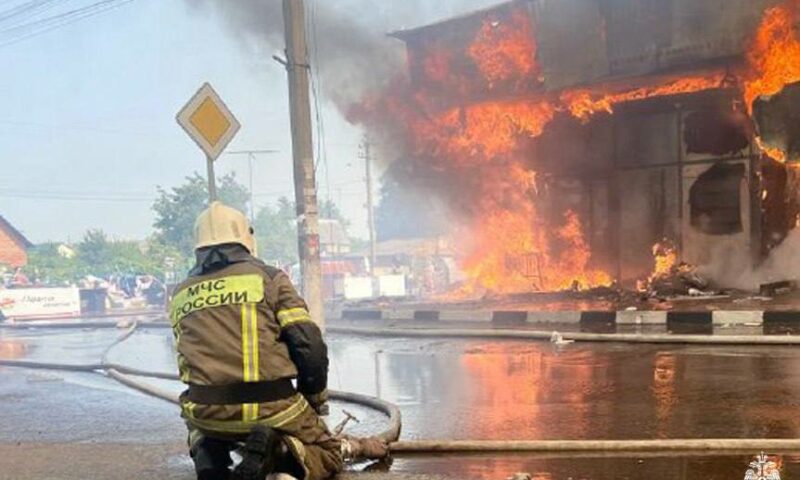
356	449
319	402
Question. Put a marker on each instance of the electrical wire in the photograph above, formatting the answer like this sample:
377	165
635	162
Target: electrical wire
38	27
72	197
140	197
70	14
322	154
29	9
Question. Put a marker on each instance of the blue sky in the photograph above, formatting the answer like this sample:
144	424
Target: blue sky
88	111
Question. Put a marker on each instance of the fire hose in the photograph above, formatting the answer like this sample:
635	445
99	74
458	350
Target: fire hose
125	376
509	334
486	333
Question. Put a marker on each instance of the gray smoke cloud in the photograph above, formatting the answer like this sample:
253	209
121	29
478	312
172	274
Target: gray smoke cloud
730	266
346	37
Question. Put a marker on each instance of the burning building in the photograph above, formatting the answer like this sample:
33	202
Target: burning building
568	137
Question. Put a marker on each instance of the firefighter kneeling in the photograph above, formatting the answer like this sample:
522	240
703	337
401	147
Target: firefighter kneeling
243	334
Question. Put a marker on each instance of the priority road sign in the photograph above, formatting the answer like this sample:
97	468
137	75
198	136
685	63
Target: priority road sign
208	121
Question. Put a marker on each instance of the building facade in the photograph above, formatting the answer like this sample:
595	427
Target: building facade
13	245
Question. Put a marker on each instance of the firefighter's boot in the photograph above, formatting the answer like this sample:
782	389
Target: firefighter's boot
259	454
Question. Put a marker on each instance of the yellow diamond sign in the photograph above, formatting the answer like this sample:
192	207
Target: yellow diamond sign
208	121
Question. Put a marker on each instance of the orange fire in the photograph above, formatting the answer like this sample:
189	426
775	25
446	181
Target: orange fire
512	252
666	257
772	152
482	147
505	51
773	61
774	56
584	103
480	133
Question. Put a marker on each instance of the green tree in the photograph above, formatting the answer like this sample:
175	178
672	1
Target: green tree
328	209
276	232
46	264
95	251
167	258
96	255
276	229
177	209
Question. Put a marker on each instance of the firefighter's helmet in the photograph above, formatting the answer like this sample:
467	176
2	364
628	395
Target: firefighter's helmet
220	224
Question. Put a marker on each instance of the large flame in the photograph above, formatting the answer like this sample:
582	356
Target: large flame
475	124
584	103
773	61
505	51
665	256
774	56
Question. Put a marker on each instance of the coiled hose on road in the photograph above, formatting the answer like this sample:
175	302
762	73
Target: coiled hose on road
391	433
124	375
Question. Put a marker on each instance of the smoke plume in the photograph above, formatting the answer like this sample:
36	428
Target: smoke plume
730	266
347	38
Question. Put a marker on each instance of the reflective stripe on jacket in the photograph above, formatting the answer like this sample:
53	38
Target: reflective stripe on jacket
238	321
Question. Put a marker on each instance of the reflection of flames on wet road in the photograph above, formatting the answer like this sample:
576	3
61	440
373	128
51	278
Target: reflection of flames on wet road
664	391
470	122
12	349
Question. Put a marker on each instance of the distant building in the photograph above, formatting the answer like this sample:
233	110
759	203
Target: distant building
333	238
65	251
13	245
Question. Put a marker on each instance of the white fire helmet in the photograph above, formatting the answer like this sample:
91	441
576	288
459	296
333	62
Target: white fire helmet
220	224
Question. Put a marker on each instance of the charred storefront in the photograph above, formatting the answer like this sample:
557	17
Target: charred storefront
569	137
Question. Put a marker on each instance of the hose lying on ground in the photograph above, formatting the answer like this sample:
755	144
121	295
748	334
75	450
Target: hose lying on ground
81	325
508	334
545	446
485	333
391	434
123	375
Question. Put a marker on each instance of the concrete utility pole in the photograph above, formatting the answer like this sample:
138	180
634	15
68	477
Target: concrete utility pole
367	155
305	186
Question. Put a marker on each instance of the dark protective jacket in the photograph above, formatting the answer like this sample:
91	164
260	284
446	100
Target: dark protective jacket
242	334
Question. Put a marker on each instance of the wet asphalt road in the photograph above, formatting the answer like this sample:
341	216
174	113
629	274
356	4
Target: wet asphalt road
65	425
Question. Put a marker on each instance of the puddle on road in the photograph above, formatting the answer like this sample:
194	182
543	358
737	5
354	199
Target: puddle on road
595	468
531	390
467	389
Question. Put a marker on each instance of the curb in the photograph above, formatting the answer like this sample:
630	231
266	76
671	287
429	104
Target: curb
625	317
698	322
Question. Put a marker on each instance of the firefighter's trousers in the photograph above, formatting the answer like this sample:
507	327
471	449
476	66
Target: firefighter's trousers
315	453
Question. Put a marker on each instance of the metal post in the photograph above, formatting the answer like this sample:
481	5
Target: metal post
251	156
370	207
212	181
252	197
303	149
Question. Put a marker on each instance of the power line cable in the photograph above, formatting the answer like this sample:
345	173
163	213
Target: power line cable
77	12
75	198
41	26
322	154
35	191
28	9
